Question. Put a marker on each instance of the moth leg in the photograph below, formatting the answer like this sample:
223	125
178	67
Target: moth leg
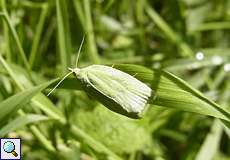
112	66
135	74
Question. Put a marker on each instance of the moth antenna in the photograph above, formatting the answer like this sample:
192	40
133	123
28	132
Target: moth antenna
59	83
79	50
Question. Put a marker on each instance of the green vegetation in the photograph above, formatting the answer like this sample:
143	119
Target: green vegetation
180	48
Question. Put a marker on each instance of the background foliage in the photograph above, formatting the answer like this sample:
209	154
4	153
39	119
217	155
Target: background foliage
166	40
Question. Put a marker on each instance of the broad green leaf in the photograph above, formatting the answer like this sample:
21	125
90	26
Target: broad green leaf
20	122
113	130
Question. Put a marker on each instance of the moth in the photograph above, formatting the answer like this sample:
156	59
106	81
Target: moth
117	90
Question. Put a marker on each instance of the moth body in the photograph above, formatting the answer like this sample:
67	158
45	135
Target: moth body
117	90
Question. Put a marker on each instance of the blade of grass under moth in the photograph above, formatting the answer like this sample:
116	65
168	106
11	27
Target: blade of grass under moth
21	121
173	92
38	33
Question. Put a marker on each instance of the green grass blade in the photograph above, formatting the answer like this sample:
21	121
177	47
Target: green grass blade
15	102
39	100
92	51
37	37
173	92
20	122
63	42
211	143
15	36
79	11
48	107
212	26
186	50
6	33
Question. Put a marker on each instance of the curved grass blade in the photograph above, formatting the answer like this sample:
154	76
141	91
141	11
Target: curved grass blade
173	92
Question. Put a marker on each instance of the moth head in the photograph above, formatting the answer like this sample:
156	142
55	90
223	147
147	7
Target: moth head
74	70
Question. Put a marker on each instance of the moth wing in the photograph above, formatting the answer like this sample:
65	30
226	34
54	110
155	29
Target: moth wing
123	88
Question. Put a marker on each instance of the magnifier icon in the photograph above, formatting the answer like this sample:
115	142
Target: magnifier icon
9	147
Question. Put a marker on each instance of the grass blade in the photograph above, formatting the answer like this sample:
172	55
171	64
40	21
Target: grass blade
14	103
211	143
37	37
173	92
186	50
15	36
63	41
20	122
89	33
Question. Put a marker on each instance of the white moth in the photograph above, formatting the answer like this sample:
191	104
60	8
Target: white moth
118	91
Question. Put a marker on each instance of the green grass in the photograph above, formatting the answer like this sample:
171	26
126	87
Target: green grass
157	41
